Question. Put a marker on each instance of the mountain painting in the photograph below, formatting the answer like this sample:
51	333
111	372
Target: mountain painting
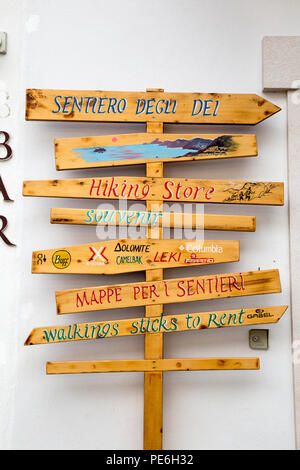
158	149
136	149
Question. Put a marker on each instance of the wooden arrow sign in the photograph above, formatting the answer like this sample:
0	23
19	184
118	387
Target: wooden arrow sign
159	189
197	108
123	256
105	217
167	291
162	324
144	365
131	149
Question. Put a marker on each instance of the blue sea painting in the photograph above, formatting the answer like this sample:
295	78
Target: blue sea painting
156	149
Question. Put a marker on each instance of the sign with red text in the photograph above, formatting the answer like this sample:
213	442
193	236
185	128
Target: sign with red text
168	291
160	189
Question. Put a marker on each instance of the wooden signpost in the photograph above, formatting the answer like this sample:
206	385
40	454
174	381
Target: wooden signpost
160	189
131	149
122	256
243	223
152	149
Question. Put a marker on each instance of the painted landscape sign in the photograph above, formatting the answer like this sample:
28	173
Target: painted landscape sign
153	106
152	325
167	291
244	223
130	149
160	189
122	256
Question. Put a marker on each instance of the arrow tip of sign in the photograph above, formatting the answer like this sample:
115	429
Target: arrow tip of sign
28	341
267	108
284	309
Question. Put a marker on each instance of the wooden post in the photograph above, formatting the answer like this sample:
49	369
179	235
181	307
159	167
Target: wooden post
153	382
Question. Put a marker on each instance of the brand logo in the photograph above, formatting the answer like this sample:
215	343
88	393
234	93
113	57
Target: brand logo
202	248
193	259
260	313
61	259
97	254
129	260
131	247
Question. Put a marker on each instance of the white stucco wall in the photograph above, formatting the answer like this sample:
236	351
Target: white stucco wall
177	45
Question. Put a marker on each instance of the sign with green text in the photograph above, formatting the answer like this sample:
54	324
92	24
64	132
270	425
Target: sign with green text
243	223
162	324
